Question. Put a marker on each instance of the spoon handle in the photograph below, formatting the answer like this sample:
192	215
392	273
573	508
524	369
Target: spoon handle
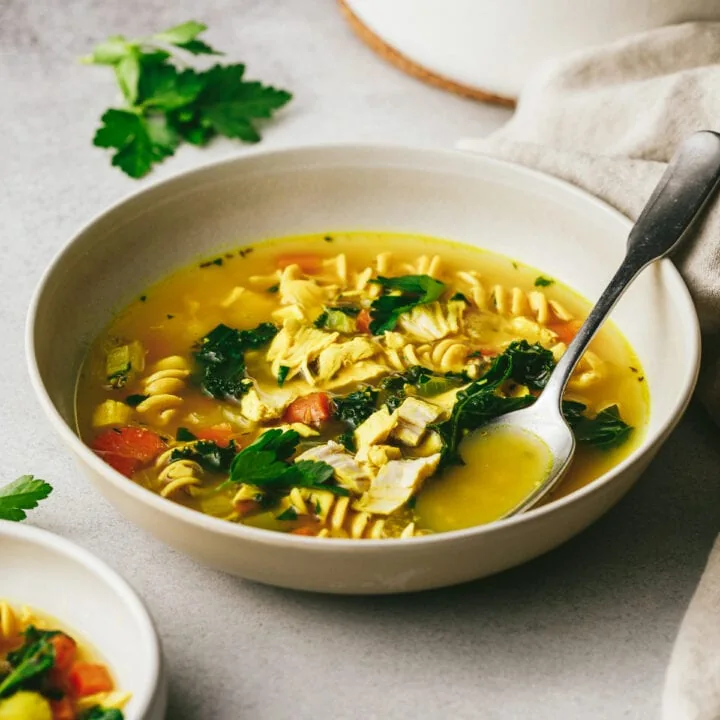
683	190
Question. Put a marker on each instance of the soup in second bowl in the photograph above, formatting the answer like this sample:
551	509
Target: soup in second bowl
335	385
47	673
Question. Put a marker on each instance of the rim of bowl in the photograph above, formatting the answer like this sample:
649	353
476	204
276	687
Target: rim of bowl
692	341
144	696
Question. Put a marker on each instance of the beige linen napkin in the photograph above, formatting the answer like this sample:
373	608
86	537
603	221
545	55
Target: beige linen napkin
608	119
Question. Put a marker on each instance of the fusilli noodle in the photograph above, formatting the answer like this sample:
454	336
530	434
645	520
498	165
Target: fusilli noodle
167	380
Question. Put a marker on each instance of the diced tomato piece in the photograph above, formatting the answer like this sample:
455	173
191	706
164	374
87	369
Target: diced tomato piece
566	331
306	530
65	651
126	466
308	262
245	507
220	434
62	709
128	448
313	409
89	678
362	322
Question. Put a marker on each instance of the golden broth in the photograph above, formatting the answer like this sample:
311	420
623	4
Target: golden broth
501	469
175	313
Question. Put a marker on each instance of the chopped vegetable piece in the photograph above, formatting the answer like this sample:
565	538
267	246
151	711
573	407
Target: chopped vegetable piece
313	409
133	442
62	709
122	361
111	413
65	651
25	705
336	320
89	678
362	323
566	331
221	434
541	281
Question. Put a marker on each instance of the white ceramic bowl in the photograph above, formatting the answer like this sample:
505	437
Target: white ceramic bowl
523	214
495	46
56	577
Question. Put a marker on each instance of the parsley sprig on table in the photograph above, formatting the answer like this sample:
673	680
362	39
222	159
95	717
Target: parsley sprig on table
168	102
21	495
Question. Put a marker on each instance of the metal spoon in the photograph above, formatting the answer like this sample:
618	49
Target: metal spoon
679	197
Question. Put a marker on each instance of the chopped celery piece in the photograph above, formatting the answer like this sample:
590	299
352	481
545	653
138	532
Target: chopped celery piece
338	321
111	413
436	386
122	361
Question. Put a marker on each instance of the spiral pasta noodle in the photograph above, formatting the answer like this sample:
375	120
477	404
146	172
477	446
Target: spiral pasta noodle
513	301
447	355
175	475
167	380
338	519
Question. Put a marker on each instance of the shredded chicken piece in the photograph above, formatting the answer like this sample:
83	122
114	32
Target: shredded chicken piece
395	484
348	471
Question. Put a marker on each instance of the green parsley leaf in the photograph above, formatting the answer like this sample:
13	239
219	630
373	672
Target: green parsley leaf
162	87
140	142
541	281
166	103
265	463
413	290
110	52
183	33
229	104
22	494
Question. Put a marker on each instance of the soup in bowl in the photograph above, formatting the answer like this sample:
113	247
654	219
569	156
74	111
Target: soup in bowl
336	386
308	410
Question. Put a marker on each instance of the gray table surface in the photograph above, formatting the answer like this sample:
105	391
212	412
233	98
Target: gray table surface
584	632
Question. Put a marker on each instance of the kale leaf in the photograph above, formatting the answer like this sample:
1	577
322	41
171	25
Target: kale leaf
358	406
413	290
531	364
207	454
475	406
221	355
31	662
98	712
605	431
